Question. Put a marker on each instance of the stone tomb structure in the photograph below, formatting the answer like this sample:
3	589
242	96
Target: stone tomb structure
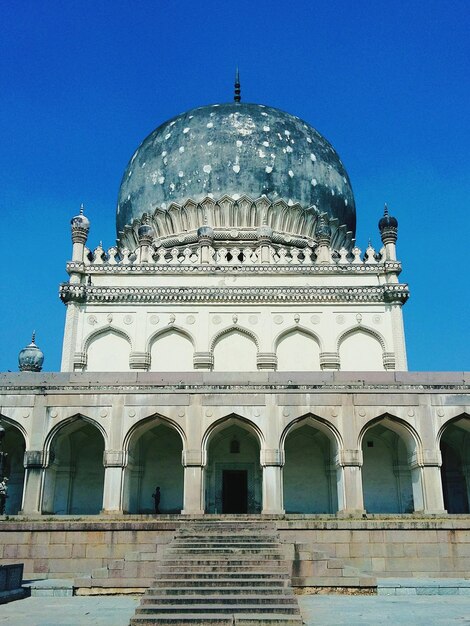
239	350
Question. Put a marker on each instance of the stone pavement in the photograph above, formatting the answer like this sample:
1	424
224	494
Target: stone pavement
317	610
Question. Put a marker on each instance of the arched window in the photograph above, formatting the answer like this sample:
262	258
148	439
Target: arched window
171	352
235	351
108	351
298	351
360	351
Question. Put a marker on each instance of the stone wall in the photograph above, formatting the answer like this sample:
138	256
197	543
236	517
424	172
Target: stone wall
321	552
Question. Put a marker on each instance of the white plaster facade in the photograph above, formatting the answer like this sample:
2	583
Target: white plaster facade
237	355
325	443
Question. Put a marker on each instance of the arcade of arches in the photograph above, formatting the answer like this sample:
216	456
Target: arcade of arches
311	474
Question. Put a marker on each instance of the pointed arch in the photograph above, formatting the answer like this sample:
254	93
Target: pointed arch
149	422
153	452
94	334
296	328
14	446
401	427
391	475
171	349
462	420
454	445
66	422
310	476
361	348
234	327
323	425
74	474
235	349
233	473
226	421
14	424
361	328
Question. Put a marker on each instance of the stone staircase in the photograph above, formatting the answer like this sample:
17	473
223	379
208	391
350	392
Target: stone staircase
222	574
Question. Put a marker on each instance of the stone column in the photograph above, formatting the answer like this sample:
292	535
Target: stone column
350	495
273	500
113	461
398	333
32	491
193	498
427	483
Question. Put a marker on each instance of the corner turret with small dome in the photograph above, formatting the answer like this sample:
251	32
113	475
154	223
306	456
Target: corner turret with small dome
232	212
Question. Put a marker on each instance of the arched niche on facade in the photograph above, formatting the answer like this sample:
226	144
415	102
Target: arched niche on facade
297	350
74	477
154	459
361	350
108	351
233	473
310	473
390	483
13	468
235	350
171	351
455	469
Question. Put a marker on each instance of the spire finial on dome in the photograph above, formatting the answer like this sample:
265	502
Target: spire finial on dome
385	210
82	208
237	96
33	337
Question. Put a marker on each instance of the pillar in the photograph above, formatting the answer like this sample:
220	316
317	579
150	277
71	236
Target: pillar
34	472
350	495
113	461
193	497
273	500
427	483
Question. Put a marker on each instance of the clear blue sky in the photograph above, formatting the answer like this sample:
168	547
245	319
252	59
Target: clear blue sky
82	83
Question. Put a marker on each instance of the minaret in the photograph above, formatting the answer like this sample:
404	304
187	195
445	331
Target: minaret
388	227
237	97
323	250
31	358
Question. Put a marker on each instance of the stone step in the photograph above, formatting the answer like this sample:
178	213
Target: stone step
217	607
217	581
220	566
255	550
249	545
237	599
203	590
220	558
212	619
229	576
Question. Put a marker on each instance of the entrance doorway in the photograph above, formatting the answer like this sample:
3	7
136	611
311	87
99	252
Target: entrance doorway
234	491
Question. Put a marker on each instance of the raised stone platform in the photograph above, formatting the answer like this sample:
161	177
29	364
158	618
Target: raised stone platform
120	554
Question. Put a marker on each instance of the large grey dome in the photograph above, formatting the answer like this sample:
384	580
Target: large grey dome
236	149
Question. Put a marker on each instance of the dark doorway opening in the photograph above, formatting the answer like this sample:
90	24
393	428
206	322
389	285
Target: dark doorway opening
234	491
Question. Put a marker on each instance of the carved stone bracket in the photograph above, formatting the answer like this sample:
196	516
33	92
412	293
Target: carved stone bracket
272	457
139	361
33	458
329	360
192	458
389	360
203	360
266	360
79	361
349	457
113	458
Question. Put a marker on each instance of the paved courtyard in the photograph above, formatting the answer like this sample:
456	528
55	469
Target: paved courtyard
328	610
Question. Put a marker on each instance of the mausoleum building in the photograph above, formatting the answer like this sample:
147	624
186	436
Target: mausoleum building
236	346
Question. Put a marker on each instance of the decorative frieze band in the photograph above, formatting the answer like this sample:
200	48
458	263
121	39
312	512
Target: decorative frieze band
385	293
389	267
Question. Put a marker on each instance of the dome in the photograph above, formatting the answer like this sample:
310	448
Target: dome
234	150
31	358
